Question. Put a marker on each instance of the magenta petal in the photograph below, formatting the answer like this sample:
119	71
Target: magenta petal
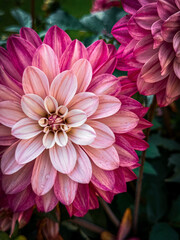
8	94
22	201
18	181
102	179
10	82
136	143
173	86
46	60
6	138
129	174
31	36
176	43
65	189
106	195
21	52
130	6
8	161
120	182
58	40
105	84
75	51
166	8
82	172
177	3
28	150
98	54
43	175
106	158
107	67
93	200
47	202
156	33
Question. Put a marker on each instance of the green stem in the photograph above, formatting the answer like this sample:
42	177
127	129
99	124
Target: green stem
139	181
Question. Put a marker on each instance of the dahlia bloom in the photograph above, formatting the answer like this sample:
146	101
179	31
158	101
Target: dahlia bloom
100	5
149	37
69	134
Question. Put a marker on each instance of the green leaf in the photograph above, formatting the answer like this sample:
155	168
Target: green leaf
166	143
4	236
92	23
174	159
152	151
156	124
64	21
162	231
23	18
174	215
148	169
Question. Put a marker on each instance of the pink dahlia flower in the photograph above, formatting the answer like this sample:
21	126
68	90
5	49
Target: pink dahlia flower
100	5
149	37
70	135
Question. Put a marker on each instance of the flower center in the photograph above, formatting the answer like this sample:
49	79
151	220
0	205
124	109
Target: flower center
55	121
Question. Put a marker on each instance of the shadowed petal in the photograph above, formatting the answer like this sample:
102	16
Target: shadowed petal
28	150
33	106
46	60
104	135
63	158
85	101
50	104
75	118
18	181
82	172
106	158
49	140
8	94
10	113
83	135
35	81
43	175
65	189
8	161
64	87
31	36
6	138
46	202
75	51
83	71
26	128
108	105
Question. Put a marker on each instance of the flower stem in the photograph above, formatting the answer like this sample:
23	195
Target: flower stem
33	13
109	212
139	181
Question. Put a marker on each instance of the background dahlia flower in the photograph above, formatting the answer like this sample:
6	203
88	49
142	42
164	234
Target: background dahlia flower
100	5
69	134
150	37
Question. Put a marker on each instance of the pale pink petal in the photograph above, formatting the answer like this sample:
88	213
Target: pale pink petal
106	158
98	54
43	175
21	52
65	189
108	105
105	84
35	81
46	60
22	201
82	172
83	135
121	122
47	202
75	118
63	158
102	179
166	8
7	64
10	82
33	106
6	138
50	104
75	51
26	128
146	16
49	139
83	71
57	39
85	101
31	36
8	161
61	138
18	181
173	86
7	94
104	135
10	113
28	150
81	201
64	87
